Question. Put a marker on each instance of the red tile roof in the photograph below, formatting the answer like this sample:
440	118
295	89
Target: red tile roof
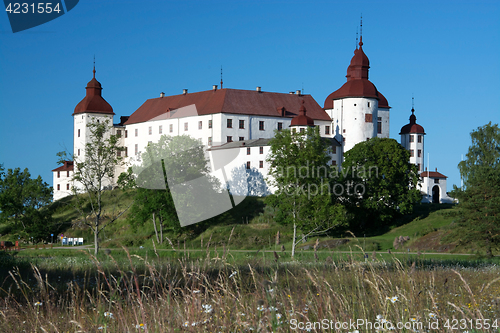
412	127
235	101
67	166
93	101
432	174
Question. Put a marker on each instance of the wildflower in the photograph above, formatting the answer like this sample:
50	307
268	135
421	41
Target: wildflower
261	308
100	328
432	315
278	316
38	303
196	291
232	274
270	290
413	319
186	324
108	314
394	299
141	325
273	308
379	317
207	308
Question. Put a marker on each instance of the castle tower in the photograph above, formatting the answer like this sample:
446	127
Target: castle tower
301	122
412	138
91	107
358	110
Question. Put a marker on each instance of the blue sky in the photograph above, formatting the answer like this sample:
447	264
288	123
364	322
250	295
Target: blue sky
445	54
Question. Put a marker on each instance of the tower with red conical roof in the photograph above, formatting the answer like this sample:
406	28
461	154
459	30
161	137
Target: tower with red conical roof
412	138
358	110
93	107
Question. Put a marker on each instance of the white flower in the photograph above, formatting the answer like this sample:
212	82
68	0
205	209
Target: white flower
108	314
141	325
394	299
100	328
186	324
270	290
432	315
278	316
272	308
196	291
232	274
207	308
261	308
38	303
379	317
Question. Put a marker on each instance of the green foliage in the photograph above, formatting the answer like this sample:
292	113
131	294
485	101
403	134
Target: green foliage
380	183
299	166
24	200
480	197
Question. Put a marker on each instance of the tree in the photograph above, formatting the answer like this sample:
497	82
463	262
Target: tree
479	198
93	175
175	185
25	201
298	165
380	183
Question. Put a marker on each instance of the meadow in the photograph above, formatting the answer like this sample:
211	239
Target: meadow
221	290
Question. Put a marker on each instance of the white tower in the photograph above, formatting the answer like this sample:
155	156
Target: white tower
91	108
358	110
412	138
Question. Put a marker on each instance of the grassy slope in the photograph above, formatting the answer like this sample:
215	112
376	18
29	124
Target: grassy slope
251	227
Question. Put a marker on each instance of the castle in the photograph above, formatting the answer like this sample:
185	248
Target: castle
243	121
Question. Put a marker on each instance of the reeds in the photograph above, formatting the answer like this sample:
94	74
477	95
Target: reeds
155	294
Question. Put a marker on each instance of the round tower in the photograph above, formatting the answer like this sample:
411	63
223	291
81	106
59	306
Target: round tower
91	108
301	122
358	110
412	138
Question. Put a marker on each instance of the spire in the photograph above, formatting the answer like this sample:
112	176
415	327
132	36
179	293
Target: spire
221	76
361	32
413	118
94	67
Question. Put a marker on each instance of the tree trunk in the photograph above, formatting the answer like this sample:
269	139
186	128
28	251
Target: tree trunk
96	241
156	231
161	229
294	237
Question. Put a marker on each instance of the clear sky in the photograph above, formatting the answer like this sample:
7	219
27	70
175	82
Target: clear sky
444	53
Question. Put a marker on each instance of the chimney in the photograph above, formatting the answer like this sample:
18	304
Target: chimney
258	89
291	93
297	92
162	94
214	87
184	91
436	169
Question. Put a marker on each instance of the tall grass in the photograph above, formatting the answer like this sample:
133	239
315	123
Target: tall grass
214	293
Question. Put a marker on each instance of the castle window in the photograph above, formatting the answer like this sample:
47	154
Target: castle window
248	151
334	149
118	133
379	125
58	187
209	140
334	162
160	129
419	167
261	150
242	138
78	132
412	153
242	124
67	173
419	139
150	130
412	139
136	132
229	123
261	164
368	104
327	129
126	133
368	118
261	125
436	180
185	126
171	128
419	153
280	126
67	187
248	165
78	152
136	148
58	174
126	151
302	130
229	139
200	124
210	123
